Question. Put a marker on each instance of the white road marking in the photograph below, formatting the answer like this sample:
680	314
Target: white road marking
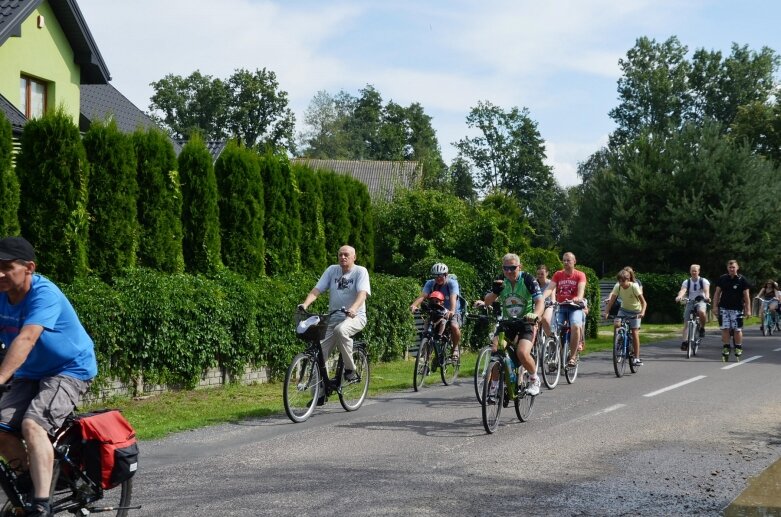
600	412
777	350
742	361
668	388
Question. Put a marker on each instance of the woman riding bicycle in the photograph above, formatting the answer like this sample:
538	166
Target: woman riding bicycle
769	296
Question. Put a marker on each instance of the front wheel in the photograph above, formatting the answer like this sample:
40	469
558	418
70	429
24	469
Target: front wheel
523	401
303	387
481	367
765	324
571	372
421	364
449	368
692	330
352	394
619	354
551	363
492	402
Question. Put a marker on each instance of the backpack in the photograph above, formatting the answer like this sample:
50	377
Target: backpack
109	451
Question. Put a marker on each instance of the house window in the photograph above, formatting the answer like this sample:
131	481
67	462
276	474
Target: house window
33	93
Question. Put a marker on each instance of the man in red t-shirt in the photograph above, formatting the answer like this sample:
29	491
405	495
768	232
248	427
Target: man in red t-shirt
569	284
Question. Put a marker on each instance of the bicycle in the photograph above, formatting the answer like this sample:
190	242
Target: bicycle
555	352
693	328
72	490
436	349
307	383
769	316
513	383
623	351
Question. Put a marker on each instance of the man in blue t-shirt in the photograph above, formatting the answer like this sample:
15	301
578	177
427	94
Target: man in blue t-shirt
448	285
50	357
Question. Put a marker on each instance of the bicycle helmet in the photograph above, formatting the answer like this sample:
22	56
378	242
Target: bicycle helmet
437	297
439	269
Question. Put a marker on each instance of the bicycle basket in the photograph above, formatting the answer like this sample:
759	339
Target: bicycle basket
310	328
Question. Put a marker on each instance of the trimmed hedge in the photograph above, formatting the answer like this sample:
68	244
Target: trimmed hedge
170	328
9	186
659	291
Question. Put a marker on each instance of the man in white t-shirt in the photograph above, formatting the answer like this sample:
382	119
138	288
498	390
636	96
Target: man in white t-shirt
348	287
697	290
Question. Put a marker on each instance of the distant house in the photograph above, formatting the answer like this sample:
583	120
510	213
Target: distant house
49	59
381	177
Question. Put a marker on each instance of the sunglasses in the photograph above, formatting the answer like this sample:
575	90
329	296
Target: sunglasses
443	275
509	268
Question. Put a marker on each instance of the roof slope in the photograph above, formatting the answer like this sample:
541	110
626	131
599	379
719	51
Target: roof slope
14	116
103	101
381	177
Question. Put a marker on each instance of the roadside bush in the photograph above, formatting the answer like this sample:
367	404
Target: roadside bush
310	194
113	193
659	291
53	176
9	186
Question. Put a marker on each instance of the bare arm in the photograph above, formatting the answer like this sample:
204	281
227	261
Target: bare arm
417	301
716	300
19	350
312	296
746	304
609	305
353	309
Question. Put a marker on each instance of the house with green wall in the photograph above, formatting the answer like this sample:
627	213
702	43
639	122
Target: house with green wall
49	59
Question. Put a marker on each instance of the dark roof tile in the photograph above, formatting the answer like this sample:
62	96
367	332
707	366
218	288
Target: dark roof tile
381	177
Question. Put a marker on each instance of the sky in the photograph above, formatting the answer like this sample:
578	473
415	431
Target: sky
558	58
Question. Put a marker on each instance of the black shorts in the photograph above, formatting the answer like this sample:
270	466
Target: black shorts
517	328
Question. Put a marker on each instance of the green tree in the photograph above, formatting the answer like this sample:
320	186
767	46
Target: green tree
282	225
661	202
361	221
9	185
258	114
758	124
508	156
113	196
159	207
196	103
241	208
325	119
53	176
462	180
653	89
248	106
336	211
315	255
200	210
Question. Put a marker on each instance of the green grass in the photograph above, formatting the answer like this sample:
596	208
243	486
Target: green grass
158	416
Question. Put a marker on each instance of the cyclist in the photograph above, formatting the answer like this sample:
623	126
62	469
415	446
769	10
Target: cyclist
521	302
448	285
51	358
730	297
632	304
697	290
543	281
348	286
769	296
569	284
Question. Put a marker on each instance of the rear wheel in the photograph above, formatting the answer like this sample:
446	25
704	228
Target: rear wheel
421	364
449	369
481	366
550	362
765	321
492	405
72	489
303	387
619	357
523	401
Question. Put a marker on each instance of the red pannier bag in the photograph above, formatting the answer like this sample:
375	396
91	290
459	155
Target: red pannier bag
109	448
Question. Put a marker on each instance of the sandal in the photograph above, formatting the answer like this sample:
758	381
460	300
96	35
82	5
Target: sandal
571	363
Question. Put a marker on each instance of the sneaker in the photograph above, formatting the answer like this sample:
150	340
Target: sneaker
534	387
456	355
492	393
637	362
685	346
320	401
702	332
40	510
350	375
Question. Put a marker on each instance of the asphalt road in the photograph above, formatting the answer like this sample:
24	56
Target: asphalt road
681	437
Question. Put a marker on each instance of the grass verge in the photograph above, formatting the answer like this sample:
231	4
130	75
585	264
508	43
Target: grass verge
158	416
